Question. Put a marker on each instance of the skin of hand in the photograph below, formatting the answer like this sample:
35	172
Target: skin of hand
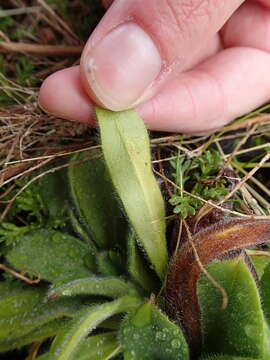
187	66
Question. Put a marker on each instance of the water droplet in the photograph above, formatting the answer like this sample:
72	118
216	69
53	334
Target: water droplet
250	330
176	344
160	335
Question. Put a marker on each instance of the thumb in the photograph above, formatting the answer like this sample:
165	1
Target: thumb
139	45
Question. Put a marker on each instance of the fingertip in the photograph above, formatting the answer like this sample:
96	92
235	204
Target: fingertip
62	94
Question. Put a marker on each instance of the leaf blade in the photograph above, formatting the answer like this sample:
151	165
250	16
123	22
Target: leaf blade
125	145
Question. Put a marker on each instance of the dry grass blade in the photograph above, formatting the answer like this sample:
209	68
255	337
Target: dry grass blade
36	49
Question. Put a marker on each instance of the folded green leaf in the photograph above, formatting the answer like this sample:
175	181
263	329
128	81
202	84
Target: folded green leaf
109	263
126	150
265	293
138	269
68	341
54	256
39	334
80	230
17	326
228	357
53	191
240	329
260	263
149	335
97	347
96	205
110	286
19	300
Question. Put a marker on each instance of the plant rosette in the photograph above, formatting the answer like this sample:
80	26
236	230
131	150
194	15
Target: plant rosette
105	285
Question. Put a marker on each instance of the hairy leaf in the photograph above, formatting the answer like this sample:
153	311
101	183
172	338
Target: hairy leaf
40	333
215	241
98	347
265	292
19	300
19	325
138	269
149	335
68	341
95	202
228	357
240	329
109	263
55	256
126	150
111	286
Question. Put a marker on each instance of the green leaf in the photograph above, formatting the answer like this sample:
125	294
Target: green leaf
19	300
138	269
80	230
240	329
109	263
148	334
55	256
67	342
98	347
126	150
265	292
111	286
95	203
260	263
54	193
39	334
228	357
19	325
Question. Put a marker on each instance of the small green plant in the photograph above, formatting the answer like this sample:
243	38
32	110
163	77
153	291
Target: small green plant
101	286
30	211
198	176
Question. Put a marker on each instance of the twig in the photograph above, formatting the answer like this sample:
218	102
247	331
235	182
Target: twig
235	150
59	20
257	253
245	178
253	179
209	202
37	49
19	11
19	276
50	171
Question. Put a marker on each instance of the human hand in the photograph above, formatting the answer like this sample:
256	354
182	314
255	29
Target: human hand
189	66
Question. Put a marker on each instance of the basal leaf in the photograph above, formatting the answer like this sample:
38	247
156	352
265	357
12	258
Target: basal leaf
265	292
228	358
95	203
53	191
55	256
80	230
19	325
240	329
41	333
126	150
109	263
68	341
18	302
148	334
138	269
97	347
260	263
111	286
